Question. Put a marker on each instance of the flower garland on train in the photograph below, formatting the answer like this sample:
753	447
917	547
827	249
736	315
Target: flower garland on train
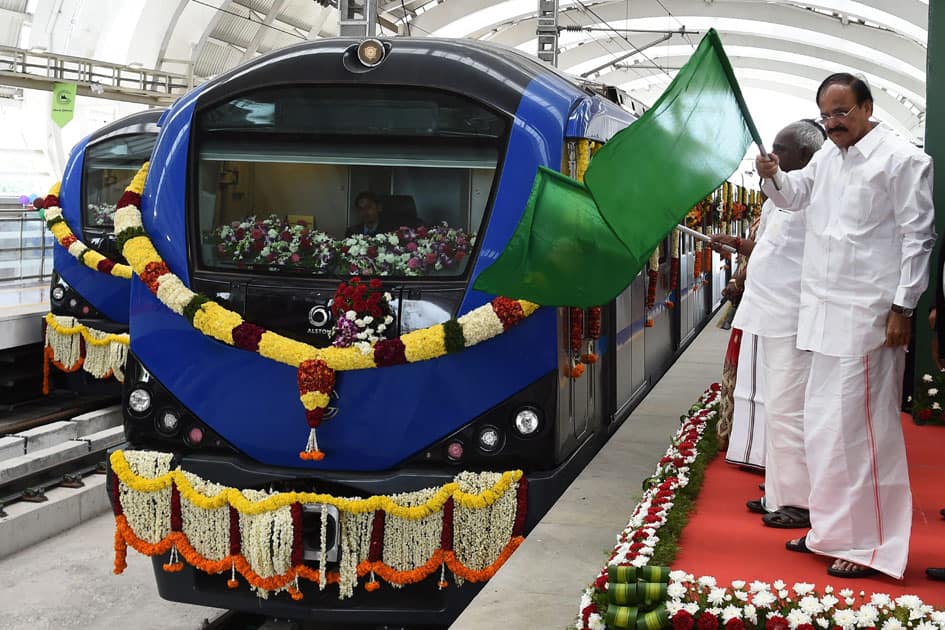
87	256
316	366
469	526
70	345
582	341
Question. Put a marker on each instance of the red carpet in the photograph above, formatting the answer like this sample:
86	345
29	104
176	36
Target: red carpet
724	540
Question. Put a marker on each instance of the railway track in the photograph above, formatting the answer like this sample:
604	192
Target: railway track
236	620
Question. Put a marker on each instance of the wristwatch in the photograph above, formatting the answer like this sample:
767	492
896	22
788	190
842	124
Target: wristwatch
902	310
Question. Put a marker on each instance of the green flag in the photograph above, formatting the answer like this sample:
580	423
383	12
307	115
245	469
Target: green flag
642	183
63	103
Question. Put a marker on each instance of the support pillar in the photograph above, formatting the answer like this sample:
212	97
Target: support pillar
357	18
934	146
548	31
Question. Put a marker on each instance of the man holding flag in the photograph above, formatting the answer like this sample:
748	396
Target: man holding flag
868	205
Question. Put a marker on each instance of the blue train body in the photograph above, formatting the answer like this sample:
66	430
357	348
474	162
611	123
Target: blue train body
394	424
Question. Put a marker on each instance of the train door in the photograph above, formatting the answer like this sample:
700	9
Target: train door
629	345
658	331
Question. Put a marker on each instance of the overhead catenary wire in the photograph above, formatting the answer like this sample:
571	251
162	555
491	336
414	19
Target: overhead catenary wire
248	18
621	36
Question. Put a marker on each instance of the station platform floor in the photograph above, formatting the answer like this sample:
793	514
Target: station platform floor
540	586
67	581
22	307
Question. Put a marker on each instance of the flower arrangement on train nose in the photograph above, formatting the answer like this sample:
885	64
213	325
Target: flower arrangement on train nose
362	313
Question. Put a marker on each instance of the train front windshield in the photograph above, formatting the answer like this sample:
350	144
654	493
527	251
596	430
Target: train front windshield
344	180
109	167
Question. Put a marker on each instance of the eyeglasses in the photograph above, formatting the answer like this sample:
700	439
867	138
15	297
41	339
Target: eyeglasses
825	117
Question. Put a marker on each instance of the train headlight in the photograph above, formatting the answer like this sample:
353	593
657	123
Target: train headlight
139	400
168	422
370	52
527	421
490	440
58	293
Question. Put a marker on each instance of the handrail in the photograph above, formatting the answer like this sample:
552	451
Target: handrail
20	231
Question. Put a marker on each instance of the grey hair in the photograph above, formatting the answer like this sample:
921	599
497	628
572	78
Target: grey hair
808	134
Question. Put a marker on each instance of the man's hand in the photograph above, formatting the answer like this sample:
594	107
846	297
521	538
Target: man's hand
898	330
718	240
733	290
767	165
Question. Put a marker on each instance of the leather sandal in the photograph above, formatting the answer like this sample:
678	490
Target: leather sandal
757	506
788	517
800	546
852	573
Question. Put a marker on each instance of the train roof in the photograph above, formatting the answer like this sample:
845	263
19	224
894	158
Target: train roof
139	122
460	65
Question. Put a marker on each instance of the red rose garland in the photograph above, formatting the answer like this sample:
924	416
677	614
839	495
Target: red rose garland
316	380
593	334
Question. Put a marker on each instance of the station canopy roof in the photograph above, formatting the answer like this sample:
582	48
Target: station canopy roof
781	49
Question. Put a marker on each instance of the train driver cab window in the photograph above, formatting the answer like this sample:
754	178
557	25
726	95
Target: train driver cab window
109	167
343	180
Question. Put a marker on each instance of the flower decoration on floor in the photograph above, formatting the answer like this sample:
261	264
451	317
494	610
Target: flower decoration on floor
635	544
89	257
362	313
701	603
71	346
928	406
213	320
468	527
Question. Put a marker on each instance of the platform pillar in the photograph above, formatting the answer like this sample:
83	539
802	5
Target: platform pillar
934	146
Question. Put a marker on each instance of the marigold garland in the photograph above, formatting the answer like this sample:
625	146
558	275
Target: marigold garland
213	320
89	257
127	486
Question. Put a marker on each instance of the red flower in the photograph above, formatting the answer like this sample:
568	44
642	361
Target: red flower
777	623
806	626
372	252
707	621
460	255
682	620
737	624
375	284
240	233
925	414
259	245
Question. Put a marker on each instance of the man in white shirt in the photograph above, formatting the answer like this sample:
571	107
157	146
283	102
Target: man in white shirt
768	310
868	201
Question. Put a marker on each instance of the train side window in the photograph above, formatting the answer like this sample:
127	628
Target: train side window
338	180
109	166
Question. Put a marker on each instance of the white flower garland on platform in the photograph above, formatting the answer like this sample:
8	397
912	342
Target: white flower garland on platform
702	604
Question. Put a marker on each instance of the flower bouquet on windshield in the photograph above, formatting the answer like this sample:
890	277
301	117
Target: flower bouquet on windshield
362	313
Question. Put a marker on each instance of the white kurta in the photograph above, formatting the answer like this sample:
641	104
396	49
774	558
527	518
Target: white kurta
769	309
869	237
867	246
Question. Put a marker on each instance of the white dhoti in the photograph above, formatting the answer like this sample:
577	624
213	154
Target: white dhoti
860	502
746	445
786	370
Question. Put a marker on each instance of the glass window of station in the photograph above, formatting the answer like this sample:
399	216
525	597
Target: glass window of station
345	180
109	167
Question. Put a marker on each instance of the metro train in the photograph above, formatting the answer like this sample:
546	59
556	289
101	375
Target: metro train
263	189
98	169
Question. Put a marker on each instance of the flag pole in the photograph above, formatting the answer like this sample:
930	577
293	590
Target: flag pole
739	98
703	237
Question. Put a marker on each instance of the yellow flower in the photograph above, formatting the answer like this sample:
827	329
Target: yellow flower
60	230
137	184
55	189
344	359
315	400
122	271
424	344
278	348
217	322
139	251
